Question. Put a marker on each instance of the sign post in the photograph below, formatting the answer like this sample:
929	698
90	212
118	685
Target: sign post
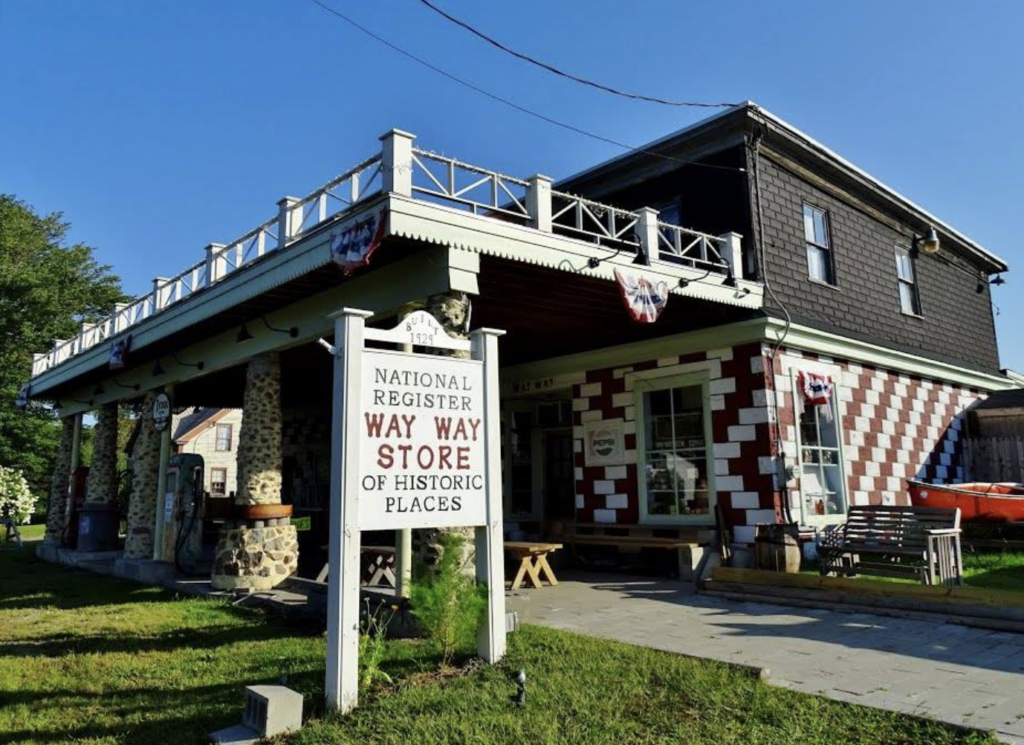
415	444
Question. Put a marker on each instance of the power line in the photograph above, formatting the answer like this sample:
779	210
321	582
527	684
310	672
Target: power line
552	69
512	104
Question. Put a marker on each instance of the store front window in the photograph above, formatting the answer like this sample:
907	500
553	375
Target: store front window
675	447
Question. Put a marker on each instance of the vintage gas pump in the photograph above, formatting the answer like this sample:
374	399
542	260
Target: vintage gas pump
183	508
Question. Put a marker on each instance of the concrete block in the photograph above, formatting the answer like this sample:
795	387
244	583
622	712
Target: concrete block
272	709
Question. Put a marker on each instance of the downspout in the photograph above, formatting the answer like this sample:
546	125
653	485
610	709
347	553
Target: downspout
762	256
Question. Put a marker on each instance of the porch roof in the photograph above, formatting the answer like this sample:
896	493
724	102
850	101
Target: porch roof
438	217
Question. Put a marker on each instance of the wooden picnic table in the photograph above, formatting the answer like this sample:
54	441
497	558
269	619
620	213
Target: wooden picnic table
378	567
533	562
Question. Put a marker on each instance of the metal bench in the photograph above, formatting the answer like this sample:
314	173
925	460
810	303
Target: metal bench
920	543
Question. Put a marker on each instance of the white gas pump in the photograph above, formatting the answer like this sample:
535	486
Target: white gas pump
183	508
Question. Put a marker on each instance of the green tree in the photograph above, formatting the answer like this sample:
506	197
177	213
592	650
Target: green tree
47	289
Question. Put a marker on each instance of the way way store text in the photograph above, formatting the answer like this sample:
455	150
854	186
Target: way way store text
422	442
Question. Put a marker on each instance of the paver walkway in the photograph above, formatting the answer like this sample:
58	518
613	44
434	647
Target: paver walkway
953	673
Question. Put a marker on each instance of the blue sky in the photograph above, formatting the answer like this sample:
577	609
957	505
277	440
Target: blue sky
160	127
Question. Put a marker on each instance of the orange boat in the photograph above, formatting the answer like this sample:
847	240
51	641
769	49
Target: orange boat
979	501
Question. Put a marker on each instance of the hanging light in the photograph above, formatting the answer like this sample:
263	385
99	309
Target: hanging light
997	281
243	334
158	369
641	257
730	279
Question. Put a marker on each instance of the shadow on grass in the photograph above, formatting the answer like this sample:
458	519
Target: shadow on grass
143	716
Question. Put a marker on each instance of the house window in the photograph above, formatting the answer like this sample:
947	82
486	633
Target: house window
675	473
906	278
819	247
218	481
223	438
822	484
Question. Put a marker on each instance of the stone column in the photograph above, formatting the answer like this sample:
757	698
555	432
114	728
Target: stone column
259	441
57	512
142	503
260	549
101	486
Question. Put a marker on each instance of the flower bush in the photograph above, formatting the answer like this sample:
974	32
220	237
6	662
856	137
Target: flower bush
16	501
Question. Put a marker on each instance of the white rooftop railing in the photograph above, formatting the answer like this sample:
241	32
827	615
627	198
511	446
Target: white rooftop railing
403	169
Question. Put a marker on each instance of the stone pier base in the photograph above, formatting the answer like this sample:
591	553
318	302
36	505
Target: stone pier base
255	558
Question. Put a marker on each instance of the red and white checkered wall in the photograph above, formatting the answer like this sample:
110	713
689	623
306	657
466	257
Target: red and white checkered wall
894	427
744	469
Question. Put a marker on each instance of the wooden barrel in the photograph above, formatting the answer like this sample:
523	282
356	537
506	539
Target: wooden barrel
777	548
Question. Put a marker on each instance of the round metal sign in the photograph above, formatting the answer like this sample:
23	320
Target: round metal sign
161	411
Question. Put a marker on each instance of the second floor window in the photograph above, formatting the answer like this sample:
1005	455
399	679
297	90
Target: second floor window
906	278
223	438
819	246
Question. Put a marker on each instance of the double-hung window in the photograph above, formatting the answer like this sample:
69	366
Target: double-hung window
676	481
223	438
820	265
906	279
218	481
820	463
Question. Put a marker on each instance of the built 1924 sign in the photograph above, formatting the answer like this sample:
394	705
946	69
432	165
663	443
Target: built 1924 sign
415	444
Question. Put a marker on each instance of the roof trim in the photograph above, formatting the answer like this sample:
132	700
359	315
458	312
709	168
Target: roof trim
203	425
751	109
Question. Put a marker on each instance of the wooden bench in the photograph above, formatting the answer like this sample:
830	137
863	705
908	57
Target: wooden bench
533	562
920	543
682	546
377	566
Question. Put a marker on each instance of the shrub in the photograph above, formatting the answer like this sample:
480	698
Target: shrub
373	644
446	601
16	501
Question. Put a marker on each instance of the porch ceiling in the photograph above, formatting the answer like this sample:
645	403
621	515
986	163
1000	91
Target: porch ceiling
547	313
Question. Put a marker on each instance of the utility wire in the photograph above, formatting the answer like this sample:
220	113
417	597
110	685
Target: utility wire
570	76
511	104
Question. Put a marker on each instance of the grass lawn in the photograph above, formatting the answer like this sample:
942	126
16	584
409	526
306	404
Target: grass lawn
90	660
994	570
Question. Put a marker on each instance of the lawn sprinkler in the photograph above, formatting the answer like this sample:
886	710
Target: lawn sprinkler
520	681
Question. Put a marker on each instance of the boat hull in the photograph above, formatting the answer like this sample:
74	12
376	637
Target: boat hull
998	502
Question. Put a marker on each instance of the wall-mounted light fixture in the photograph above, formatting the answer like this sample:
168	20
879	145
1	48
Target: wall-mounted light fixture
130	387
198	365
157	370
684	283
730	279
243	334
927	243
292	331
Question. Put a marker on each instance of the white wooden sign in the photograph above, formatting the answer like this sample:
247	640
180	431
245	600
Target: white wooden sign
415	442
422	464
